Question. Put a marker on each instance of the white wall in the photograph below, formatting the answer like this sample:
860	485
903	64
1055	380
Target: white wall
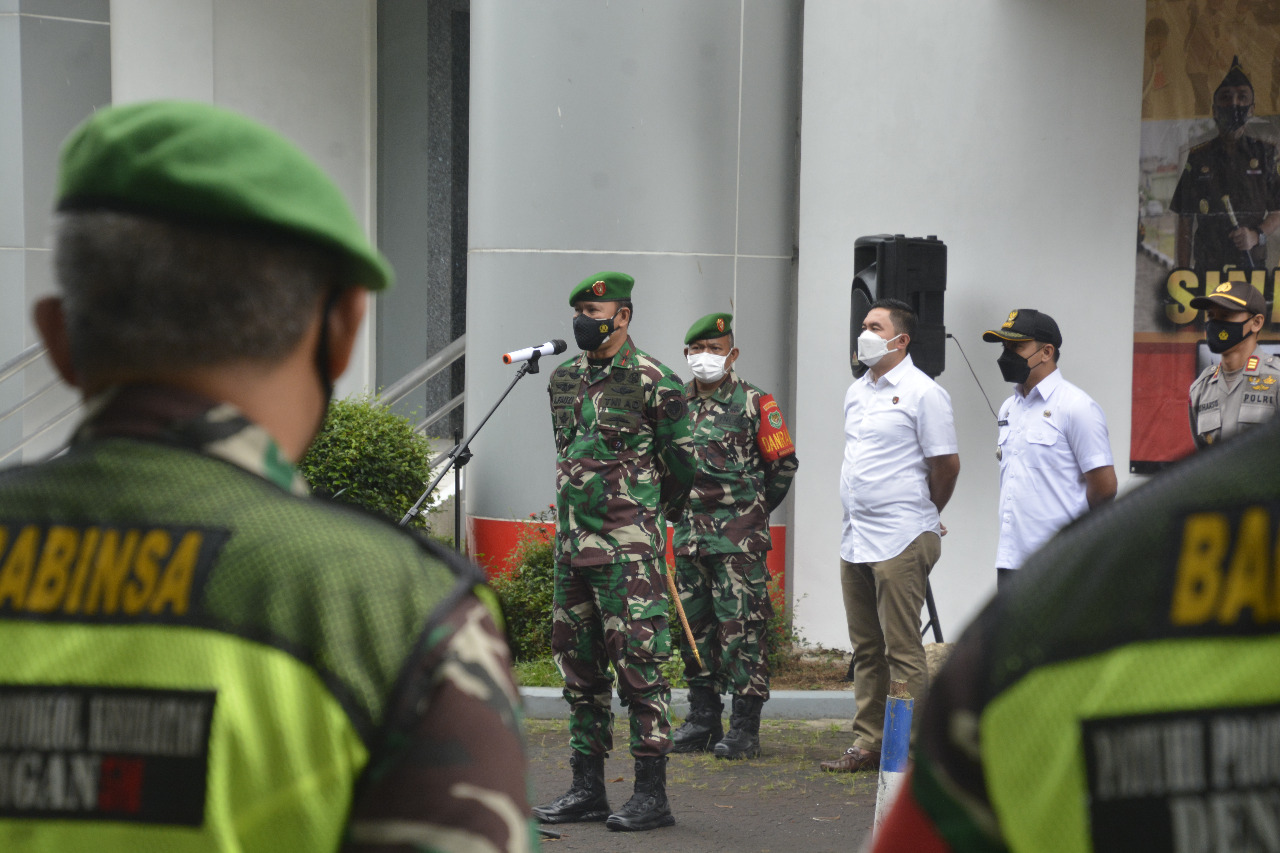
1009	128
303	67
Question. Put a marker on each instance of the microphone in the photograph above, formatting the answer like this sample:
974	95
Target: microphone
549	348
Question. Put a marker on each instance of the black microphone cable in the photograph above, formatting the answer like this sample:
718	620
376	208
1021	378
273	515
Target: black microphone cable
975	377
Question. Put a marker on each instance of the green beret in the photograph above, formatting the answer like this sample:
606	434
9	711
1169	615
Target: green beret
710	326
602	287
205	164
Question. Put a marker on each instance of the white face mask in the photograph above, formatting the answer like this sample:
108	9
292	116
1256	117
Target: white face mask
872	347
707	366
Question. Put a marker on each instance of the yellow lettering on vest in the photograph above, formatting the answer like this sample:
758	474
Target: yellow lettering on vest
53	570
175	587
155	546
18	564
110	567
88	550
1245	584
1205	537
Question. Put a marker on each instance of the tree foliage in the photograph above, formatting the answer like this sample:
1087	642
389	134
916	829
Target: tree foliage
368	455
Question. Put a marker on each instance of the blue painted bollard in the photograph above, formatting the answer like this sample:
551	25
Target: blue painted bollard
895	749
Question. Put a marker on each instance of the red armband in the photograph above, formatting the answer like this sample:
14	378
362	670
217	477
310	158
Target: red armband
773	439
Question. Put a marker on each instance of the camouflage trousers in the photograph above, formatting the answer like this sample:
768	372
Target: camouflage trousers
726	599
613	614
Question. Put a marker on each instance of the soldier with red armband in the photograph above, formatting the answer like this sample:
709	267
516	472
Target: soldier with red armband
745	463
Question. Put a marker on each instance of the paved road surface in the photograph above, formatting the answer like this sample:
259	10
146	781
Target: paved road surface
779	803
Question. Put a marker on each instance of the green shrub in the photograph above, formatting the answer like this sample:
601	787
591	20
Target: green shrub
781	640
525	591
368	455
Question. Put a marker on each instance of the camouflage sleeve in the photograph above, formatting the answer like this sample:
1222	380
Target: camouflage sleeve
777	480
673	440
450	772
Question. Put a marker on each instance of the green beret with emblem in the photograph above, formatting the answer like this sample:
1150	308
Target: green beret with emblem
711	326
206	165
602	287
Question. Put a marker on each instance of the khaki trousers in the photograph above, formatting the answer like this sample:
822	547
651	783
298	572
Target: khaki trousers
882	603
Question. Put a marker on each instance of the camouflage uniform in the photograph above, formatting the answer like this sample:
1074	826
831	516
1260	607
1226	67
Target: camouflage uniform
334	649
722	537
623	459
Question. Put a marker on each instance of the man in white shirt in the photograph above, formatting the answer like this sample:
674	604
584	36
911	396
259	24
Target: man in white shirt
900	467
1053	447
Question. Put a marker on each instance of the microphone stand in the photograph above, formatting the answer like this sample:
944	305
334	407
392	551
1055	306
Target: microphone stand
460	455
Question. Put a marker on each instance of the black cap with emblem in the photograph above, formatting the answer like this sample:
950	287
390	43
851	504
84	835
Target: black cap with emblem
1234	296
1026	324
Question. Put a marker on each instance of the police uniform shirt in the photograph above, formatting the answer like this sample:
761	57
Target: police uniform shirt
1245	172
890	427
1219	409
1047	441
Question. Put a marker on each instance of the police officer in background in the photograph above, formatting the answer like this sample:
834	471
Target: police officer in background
1228	197
1240	391
624	464
199	655
1052	442
745	464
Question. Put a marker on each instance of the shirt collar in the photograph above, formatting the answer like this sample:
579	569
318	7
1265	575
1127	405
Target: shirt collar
625	357
185	419
895	375
1045	387
722	393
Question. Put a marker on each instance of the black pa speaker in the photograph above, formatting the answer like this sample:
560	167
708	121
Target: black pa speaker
912	269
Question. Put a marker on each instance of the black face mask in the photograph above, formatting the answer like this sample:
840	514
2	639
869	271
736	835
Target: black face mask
1222	335
1013	367
590	333
1230	118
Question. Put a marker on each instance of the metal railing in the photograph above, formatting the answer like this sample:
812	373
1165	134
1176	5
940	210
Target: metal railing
18	367
446	356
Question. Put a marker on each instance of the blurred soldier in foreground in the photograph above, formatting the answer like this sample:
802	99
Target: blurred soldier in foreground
745	463
196	654
1243	389
1125	695
623	462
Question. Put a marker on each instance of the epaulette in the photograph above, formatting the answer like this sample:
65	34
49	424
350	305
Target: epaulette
1251	366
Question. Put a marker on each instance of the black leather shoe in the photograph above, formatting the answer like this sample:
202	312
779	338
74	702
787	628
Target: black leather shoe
743	739
702	729
648	807
586	799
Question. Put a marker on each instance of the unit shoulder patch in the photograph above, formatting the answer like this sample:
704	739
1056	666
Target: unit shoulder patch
773	439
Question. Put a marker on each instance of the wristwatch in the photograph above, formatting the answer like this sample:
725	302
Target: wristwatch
1262	238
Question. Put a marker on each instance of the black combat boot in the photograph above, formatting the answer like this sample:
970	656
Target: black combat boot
585	800
702	729
648	807
743	739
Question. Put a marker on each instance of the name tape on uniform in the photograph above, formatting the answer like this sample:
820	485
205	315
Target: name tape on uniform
97	572
1198	781
104	753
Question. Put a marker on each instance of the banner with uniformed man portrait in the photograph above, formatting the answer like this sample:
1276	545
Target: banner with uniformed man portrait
1209	198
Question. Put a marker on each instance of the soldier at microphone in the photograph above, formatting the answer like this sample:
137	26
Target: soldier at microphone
624	465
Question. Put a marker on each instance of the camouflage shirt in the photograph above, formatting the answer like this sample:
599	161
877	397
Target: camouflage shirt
360	690
735	487
624	457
